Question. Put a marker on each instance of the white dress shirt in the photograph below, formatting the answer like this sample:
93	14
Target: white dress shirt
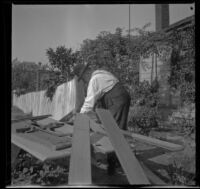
101	82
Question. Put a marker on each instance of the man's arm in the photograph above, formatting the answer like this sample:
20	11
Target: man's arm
93	93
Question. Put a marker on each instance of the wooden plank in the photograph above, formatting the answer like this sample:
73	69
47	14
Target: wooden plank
151	176
40	151
145	139
130	164
80	160
31	118
52	142
66	129
153	141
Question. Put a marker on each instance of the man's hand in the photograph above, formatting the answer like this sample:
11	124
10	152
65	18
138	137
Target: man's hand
92	115
72	119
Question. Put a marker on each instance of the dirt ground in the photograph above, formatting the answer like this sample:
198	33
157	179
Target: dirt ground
156	159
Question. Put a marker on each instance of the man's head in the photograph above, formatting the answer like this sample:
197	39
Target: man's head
83	71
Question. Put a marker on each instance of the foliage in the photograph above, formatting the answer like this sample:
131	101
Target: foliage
178	176
183	119
51	84
182	76
144	114
119	53
37	172
122	58
24	77
111	51
62	61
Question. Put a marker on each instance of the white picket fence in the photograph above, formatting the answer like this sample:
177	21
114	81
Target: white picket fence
64	100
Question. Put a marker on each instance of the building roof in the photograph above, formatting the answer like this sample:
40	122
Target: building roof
181	25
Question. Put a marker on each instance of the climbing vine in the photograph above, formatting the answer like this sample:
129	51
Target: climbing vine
182	77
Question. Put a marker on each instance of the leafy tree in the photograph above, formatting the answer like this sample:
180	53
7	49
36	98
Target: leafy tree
62	61
24	76
121	55
111	51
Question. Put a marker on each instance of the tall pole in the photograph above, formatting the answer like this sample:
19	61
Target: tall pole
129	26
152	68
156	66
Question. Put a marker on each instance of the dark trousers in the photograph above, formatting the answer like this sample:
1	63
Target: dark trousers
117	100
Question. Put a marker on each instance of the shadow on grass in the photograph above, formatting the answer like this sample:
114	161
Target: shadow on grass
150	153
100	177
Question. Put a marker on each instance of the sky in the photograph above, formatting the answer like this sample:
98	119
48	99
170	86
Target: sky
36	28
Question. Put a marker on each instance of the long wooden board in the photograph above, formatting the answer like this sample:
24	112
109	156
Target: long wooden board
80	160
53	142
66	129
153	141
145	139
41	152
30	118
130	164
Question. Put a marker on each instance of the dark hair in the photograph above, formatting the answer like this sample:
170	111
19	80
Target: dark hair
81	69
78	69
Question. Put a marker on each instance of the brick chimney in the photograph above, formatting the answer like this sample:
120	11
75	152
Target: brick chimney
162	16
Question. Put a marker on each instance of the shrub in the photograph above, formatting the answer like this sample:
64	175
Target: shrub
184	119
144	115
36	172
